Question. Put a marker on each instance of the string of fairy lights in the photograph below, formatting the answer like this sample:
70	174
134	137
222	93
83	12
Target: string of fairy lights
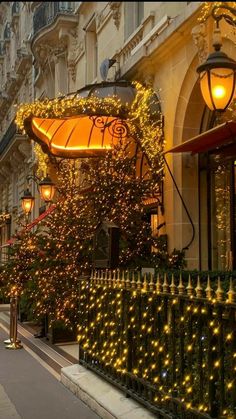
218	6
173	343
145	125
5	216
57	258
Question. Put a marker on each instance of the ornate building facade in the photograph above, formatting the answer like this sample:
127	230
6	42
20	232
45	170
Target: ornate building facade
49	49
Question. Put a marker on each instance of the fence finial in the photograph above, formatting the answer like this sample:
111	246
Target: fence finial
158	284
118	280
165	283
114	278
123	279
151	283
219	291
106	276
209	290
133	282
139	283
181	288
189	288
127	282
172	285
198	288
231	293
145	283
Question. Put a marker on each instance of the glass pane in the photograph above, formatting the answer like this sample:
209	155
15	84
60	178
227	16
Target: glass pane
203	221
220	215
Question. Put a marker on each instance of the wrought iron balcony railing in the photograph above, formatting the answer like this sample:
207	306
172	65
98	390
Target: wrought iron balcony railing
15	8
7	31
47	12
2	48
6	139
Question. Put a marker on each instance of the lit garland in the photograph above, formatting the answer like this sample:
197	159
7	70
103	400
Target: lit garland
145	126
169	343
64	251
16	272
4	217
208	6
42	161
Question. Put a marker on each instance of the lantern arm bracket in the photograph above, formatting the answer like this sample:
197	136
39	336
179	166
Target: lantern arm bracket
34	178
184	205
46	194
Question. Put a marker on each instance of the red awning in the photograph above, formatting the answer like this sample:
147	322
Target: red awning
31	225
41	217
215	138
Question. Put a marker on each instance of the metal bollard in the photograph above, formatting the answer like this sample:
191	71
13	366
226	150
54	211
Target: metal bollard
8	341
14	342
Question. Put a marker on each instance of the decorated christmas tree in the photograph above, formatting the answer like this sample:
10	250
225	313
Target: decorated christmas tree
111	188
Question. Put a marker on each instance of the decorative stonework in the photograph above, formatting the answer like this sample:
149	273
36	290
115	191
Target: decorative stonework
44	52
70	40
116	14
3	13
99	19
199	39
149	80
25	149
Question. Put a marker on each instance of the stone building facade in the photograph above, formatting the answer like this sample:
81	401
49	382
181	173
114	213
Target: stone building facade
49	49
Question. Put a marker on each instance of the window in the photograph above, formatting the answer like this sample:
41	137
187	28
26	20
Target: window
134	12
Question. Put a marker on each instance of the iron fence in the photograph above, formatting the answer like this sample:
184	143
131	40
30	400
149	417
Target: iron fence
169	344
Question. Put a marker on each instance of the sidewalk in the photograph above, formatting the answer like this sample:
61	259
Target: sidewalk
29	391
107	401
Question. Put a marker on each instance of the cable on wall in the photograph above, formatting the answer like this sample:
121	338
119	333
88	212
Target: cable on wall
184	205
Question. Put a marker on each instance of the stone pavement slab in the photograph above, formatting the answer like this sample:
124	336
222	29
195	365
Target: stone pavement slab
7	408
103	398
31	392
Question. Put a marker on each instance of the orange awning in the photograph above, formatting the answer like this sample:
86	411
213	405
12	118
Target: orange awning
215	138
78	136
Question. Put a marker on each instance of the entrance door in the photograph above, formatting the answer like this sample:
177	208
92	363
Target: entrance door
221	213
218	217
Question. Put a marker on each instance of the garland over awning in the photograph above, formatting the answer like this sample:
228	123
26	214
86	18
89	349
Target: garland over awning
92	120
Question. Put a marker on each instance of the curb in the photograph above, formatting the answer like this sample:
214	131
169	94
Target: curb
103	398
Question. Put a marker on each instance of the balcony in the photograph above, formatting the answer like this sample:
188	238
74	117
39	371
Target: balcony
15	8
2	49
47	12
7	32
15	13
7	138
14	149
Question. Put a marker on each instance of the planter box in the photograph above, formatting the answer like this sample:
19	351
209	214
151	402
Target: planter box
59	333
